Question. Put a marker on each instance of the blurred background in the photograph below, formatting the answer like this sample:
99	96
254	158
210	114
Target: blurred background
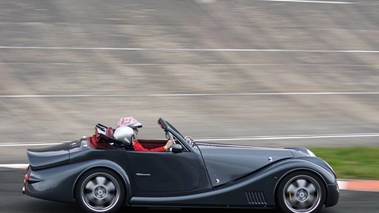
258	72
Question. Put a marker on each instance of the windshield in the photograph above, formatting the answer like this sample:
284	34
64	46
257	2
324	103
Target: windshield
168	127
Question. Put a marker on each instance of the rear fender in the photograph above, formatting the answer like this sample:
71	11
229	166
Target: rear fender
109	165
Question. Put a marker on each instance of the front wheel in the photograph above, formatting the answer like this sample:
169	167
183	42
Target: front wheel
301	192
100	191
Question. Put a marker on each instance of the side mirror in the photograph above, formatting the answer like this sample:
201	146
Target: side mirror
176	148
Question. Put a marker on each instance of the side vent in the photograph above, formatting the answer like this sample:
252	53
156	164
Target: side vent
256	198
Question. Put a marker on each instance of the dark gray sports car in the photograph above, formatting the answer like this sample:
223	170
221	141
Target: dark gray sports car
101	174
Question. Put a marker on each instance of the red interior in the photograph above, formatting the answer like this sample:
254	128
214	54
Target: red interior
99	141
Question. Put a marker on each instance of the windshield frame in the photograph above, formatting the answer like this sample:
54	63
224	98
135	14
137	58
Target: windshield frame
167	127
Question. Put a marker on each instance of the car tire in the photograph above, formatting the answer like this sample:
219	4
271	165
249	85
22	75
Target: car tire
100	190
301	192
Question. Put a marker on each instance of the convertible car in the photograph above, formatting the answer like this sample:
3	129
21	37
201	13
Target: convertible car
101	174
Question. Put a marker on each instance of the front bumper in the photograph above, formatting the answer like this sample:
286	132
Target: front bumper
333	195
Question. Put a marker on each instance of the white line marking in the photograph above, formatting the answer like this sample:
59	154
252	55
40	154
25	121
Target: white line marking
284	137
188	94
30	144
205	1
187	49
14	166
342	184
287	137
309	1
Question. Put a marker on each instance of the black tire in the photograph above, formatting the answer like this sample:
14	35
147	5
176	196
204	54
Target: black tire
100	190
301	192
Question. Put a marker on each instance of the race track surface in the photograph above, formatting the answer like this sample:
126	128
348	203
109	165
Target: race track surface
259	72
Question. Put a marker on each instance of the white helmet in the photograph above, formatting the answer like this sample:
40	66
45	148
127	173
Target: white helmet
124	133
129	121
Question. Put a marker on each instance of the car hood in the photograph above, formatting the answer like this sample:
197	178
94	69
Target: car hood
227	163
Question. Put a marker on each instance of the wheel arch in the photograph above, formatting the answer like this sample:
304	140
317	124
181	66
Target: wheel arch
299	170
106	164
303	165
294	170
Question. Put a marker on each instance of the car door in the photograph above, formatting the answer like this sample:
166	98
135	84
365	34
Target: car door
165	172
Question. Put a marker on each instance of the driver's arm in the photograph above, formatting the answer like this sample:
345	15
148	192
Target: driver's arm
137	146
168	145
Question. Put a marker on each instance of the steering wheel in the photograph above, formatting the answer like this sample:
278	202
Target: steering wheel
171	137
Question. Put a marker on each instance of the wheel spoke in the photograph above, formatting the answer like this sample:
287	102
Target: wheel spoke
310	201
90	185
301	183
311	189
301	205
100	180
110	187
90	197
292	189
293	201
100	202
109	197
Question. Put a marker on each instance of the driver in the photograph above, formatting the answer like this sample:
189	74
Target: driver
123	132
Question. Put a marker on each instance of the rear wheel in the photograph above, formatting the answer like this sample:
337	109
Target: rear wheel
100	190
301	192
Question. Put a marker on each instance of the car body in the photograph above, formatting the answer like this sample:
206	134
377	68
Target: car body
101	174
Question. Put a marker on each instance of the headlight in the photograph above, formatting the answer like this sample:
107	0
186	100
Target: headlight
310	153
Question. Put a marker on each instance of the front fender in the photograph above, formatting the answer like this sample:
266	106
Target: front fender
268	178
292	165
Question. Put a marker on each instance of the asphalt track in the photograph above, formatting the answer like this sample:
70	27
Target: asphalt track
265	73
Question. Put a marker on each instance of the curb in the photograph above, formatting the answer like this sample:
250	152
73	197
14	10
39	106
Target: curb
359	185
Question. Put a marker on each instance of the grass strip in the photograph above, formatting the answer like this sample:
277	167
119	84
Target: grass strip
351	162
